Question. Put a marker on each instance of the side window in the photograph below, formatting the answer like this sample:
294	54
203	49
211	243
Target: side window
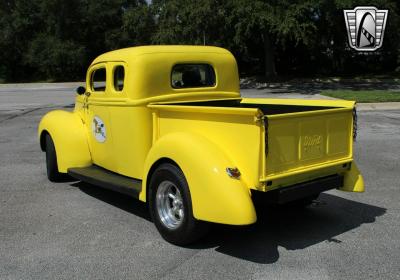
192	76
119	76
99	79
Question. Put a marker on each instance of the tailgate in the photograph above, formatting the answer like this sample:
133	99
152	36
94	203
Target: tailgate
299	142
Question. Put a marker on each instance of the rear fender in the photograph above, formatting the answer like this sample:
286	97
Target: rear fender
69	136
215	196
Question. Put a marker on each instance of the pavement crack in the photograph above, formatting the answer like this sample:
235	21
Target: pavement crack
26	112
20	114
5	202
176	265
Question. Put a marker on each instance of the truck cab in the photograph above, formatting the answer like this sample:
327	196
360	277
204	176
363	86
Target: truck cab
167	125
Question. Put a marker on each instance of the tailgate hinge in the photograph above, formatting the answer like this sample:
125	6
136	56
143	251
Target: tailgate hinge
355	123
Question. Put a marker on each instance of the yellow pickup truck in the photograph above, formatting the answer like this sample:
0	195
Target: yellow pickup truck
167	125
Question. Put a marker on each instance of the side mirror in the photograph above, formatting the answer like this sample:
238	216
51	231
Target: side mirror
81	90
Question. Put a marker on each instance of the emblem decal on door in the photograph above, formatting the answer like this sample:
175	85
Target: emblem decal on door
99	129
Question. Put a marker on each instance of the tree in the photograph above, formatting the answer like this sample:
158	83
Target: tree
57	39
58	59
270	25
188	22
137	24
18	19
238	24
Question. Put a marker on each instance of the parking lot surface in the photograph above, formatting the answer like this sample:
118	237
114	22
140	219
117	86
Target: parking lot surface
73	230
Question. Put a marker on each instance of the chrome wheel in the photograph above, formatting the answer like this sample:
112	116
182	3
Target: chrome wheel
169	205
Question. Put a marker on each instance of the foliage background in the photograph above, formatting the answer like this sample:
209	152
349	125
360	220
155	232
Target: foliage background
57	39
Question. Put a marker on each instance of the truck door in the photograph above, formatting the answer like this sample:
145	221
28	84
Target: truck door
97	117
131	123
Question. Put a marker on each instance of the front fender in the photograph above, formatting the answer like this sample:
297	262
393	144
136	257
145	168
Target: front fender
215	196
69	136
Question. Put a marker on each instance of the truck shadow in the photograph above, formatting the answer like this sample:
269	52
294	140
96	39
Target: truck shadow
116	199
293	229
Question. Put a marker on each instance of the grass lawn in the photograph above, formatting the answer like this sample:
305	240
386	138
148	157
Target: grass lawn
364	96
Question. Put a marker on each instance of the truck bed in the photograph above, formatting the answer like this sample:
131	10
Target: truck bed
274	142
268	108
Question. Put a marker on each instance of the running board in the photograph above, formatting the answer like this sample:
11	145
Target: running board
101	177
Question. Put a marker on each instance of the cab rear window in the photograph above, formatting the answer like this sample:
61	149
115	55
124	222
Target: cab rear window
192	76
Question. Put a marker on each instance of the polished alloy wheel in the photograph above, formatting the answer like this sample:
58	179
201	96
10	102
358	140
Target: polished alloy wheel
169	205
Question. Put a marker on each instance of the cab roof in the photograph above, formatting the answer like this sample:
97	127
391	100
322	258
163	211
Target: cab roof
132	52
149	69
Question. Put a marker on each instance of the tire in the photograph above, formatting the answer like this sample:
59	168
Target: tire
171	206
51	161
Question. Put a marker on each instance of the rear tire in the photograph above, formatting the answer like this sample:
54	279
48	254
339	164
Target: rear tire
51	161
171	206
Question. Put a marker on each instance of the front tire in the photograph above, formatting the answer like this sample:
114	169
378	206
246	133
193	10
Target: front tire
51	161
171	206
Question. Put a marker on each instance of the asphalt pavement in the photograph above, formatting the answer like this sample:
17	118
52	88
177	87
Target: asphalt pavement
73	230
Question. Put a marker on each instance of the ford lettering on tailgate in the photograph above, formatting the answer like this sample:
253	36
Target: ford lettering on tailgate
312	146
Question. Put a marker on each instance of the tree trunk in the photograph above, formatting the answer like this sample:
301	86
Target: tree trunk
269	57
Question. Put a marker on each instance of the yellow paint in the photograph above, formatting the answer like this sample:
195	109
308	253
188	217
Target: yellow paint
308	140
70	139
234	130
305	102
215	196
353	180
149	121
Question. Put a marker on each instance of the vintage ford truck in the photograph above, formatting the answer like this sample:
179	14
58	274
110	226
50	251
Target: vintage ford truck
167	125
